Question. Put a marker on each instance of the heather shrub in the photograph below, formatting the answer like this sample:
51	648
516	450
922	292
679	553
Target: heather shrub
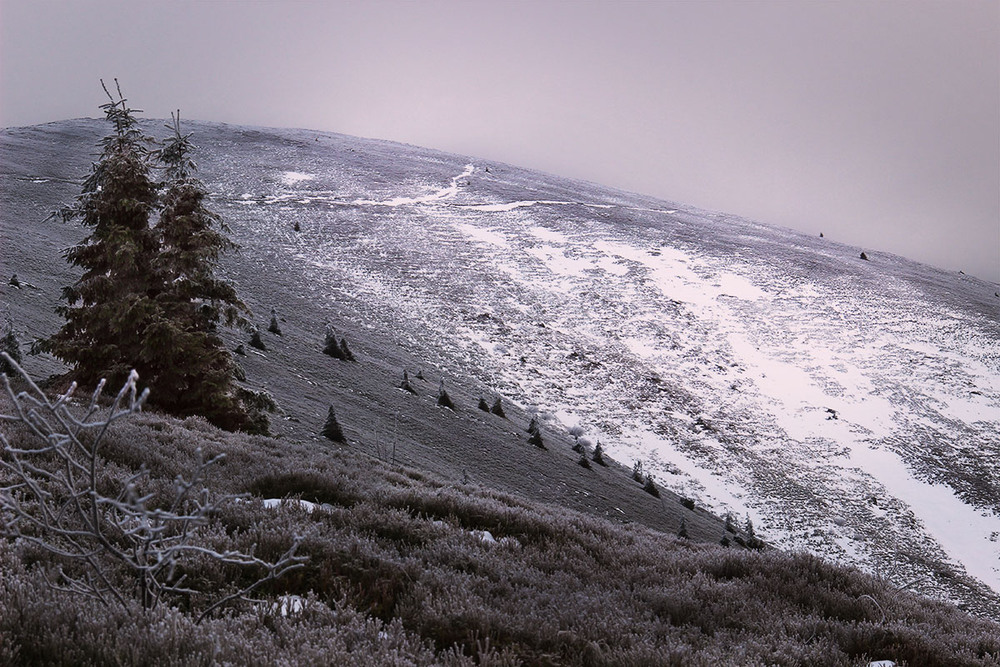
113	532
401	571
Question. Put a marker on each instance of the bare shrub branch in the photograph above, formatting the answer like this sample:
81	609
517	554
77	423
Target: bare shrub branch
50	498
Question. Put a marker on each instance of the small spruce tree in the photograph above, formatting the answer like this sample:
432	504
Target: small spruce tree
273	327
331	346
331	429
256	341
533	425
683	531
497	408
598	456
444	400
345	351
637	473
483	405
650	487
405	384
536	438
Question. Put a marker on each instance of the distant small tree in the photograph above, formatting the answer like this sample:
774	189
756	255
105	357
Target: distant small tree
683	531
273	327
730	524
533	425
331	429
497	408
331	346
444	400
483	405
345	351
535	433
598	456
405	384
650	486
752	541
256	341
637	473
584	461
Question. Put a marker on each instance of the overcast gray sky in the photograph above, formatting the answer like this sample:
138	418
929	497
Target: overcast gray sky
877	123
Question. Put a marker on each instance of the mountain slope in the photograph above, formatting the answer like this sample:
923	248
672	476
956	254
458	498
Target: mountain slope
850	407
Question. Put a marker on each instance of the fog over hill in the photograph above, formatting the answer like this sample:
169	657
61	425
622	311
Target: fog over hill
849	406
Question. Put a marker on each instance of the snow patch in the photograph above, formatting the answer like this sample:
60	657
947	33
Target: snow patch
291	178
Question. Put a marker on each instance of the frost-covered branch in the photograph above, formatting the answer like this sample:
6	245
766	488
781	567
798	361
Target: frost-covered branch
49	497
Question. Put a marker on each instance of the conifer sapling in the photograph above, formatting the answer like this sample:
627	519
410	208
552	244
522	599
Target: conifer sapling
444	400
497	409
331	346
256	341
331	429
273	326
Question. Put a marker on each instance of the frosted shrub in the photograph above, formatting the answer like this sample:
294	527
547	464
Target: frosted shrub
60	495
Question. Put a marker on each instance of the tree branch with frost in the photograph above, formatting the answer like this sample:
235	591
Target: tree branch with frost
49	497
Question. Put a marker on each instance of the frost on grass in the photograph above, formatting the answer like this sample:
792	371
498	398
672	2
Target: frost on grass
114	537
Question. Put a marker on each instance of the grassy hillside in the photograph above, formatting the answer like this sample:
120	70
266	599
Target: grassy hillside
398	575
42	165
580	565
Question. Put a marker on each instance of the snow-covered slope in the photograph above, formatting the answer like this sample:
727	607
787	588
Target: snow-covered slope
849	407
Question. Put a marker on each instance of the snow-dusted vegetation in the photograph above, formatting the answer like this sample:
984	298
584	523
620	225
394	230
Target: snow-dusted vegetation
844	408
401	567
850	407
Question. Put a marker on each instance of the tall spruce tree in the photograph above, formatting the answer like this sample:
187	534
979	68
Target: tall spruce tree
193	372
148	298
110	306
